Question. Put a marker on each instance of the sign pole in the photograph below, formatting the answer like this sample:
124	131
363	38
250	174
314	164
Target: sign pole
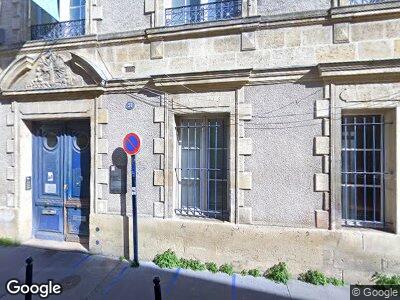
134	212
131	146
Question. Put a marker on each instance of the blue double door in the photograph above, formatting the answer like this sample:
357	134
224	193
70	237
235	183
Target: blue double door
61	180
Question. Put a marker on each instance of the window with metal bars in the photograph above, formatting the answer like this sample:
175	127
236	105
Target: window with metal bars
363	170
202	167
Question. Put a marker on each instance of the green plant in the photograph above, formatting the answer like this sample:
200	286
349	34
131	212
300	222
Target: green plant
212	267
335	281
244	273
226	268
314	277
168	259
192	264
278	273
381	279
254	273
7	242
134	264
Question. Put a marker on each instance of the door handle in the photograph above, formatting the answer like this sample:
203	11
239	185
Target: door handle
65	187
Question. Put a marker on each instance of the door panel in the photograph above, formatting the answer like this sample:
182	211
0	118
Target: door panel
61	189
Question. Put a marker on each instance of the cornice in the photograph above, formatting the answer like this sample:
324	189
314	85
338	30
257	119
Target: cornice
390	67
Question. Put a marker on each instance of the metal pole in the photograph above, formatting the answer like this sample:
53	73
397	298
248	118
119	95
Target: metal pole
157	288
134	212
28	276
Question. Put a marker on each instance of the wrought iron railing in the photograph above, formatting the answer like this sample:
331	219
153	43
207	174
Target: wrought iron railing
221	10
358	2
58	30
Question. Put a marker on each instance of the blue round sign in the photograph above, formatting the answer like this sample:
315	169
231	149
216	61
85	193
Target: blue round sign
129	105
131	143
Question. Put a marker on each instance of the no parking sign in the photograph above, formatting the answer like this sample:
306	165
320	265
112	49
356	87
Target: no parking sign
132	143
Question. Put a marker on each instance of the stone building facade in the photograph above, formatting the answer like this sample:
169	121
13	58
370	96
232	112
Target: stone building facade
269	129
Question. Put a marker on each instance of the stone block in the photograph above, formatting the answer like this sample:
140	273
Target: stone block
341	33
393	29
397	48
245	146
316	35
321	145
102	116
321	182
245	111
10	146
270	38
325	201
375	50
335	53
158	210
102	176
178	48
158	177
326	125
10	200
326	164
102	206
97	13
229	43
292	37
322	219
367	31
157	50
10	173
10	119
245	215
149	6
245	180
102	146
248	41
158	114
99	191
322	108
158	146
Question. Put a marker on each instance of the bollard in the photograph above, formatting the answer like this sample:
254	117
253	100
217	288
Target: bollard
28	276
157	288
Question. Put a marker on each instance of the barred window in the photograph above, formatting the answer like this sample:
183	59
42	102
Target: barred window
202	167
363	169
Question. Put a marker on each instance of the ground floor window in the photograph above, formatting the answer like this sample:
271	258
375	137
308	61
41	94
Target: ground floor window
202	167
363	169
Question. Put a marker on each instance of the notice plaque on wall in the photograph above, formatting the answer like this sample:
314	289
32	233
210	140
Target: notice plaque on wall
117	180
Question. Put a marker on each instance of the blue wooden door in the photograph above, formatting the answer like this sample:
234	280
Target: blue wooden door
61	176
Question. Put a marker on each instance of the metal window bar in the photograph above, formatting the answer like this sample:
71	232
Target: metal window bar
197	13
202	174
363	182
52	31
359	2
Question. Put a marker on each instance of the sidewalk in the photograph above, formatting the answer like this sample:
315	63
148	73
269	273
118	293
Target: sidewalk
85	276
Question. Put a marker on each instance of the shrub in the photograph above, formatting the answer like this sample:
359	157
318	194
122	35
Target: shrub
278	273
318	278
254	273
192	264
244	273
6	242
381	279
335	281
226	268
212	267
168	259
314	277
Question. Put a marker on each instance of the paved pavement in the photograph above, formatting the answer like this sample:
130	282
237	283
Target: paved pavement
85	276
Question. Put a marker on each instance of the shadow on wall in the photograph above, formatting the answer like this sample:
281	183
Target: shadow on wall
120	161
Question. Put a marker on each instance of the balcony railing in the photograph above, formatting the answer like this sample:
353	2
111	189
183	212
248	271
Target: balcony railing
222	10
52	31
358	2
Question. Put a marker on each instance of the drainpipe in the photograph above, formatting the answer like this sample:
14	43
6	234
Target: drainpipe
166	166
236	157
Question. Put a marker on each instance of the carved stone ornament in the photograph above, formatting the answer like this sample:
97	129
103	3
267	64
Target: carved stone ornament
52	72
